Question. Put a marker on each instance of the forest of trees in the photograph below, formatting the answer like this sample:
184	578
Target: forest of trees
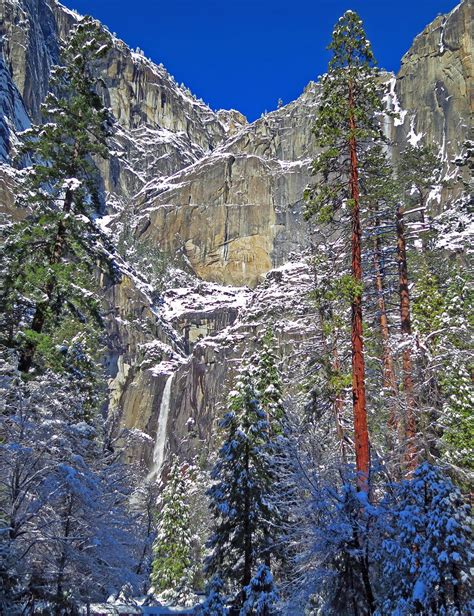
353	499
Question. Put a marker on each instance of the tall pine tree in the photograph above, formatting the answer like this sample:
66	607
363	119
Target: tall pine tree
52	254
345	129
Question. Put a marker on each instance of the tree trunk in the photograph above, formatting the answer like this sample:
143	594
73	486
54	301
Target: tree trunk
367	585
39	317
389	378
361	434
405	325
338	411
338	402
62	559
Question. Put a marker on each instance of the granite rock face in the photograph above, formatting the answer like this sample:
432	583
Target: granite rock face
435	82
251	188
224	194
158	120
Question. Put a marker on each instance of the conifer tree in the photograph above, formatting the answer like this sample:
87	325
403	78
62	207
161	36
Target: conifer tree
417	173
172	567
381	195
330	379
66	532
215	604
53	253
260	595
345	128
240	495
266	377
410	426
268	382
428	551
442	321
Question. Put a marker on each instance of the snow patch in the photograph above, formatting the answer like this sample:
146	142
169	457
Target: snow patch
414	138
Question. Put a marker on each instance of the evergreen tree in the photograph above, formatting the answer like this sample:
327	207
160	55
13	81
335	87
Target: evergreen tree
443	317
410	424
173	568
417	173
215	604
260	594
381	195
428	551
345	128
147	260
240	495
440	311
52	254
330	372
333	571
268	382
266	377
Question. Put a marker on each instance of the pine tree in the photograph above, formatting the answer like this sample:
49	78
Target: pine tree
345	128
439	311
442	318
410	424
260	595
52	254
417	173
240	495
381	195
428	551
268	382
330	376
215	604
173	567
333	571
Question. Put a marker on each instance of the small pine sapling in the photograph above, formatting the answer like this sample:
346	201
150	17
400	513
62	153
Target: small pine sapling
261	596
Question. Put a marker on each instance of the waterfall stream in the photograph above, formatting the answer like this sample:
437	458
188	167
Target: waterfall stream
160	442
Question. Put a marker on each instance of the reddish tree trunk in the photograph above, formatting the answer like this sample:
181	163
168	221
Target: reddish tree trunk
405	324
361	434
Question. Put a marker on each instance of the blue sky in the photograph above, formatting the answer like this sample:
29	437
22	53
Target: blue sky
246	54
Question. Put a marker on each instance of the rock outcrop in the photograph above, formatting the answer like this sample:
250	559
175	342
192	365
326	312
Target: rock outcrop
251	187
435	82
162	127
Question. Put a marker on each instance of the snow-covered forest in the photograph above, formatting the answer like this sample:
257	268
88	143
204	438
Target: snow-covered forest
287	434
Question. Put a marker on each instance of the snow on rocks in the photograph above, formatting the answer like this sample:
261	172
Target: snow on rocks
203	297
392	104
202	309
413	137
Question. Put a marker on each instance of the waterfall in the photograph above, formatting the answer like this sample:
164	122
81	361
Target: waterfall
160	442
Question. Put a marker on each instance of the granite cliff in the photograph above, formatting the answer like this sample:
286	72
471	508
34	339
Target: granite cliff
225	195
